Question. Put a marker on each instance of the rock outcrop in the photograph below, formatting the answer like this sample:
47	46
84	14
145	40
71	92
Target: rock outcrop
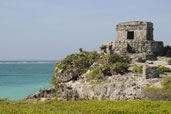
129	86
118	87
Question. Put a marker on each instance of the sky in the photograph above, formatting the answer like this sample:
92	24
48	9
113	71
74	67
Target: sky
52	29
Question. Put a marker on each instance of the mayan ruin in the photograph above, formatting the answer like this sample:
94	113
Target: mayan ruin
134	37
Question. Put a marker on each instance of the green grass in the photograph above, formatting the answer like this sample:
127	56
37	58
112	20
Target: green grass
85	107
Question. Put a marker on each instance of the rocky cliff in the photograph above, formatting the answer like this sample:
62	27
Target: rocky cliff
93	75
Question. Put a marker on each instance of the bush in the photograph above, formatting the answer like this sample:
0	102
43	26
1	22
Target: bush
53	80
169	61
119	68
157	93
137	69
103	47
164	69
94	74
98	73
3	99
114	58
80	62
112	64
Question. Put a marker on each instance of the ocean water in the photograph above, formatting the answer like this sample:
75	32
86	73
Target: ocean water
18	79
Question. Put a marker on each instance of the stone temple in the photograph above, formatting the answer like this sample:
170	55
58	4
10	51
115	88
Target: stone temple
134	37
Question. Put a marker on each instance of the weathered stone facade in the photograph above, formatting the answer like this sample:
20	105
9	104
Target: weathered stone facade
134	37
151	72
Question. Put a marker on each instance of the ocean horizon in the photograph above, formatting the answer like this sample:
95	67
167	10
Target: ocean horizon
20	78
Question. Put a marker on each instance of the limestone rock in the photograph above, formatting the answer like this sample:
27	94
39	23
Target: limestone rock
46	93
65	76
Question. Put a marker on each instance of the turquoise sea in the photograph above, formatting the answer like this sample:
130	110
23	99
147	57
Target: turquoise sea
18	79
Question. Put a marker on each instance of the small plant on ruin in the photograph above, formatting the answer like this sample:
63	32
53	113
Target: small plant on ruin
164	69
119	68
137	69
169	61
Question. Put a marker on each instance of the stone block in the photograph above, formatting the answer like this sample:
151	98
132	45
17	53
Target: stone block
151	71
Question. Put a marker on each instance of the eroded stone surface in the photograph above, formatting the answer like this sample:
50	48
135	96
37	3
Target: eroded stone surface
151	71
118	87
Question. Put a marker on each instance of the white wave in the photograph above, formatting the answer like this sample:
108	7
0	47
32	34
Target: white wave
26	62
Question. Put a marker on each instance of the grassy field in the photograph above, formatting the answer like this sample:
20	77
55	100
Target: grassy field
85	107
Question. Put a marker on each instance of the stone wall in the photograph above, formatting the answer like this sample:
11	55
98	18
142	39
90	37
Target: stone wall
124	46
151	72
142	30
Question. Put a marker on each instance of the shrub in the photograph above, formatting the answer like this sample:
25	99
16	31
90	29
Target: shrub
102	47
53	80
3	99
97	73
107	70
80	62
157	93
137	69
94	74
169	61
164	69
114	58
119	68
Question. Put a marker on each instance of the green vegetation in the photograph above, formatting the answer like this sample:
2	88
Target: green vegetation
98	81
109	65
119	68
102	47
137	69
85	107
169	61
96	73
159	93
164	69
113	58
80	62
53	80
166	83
